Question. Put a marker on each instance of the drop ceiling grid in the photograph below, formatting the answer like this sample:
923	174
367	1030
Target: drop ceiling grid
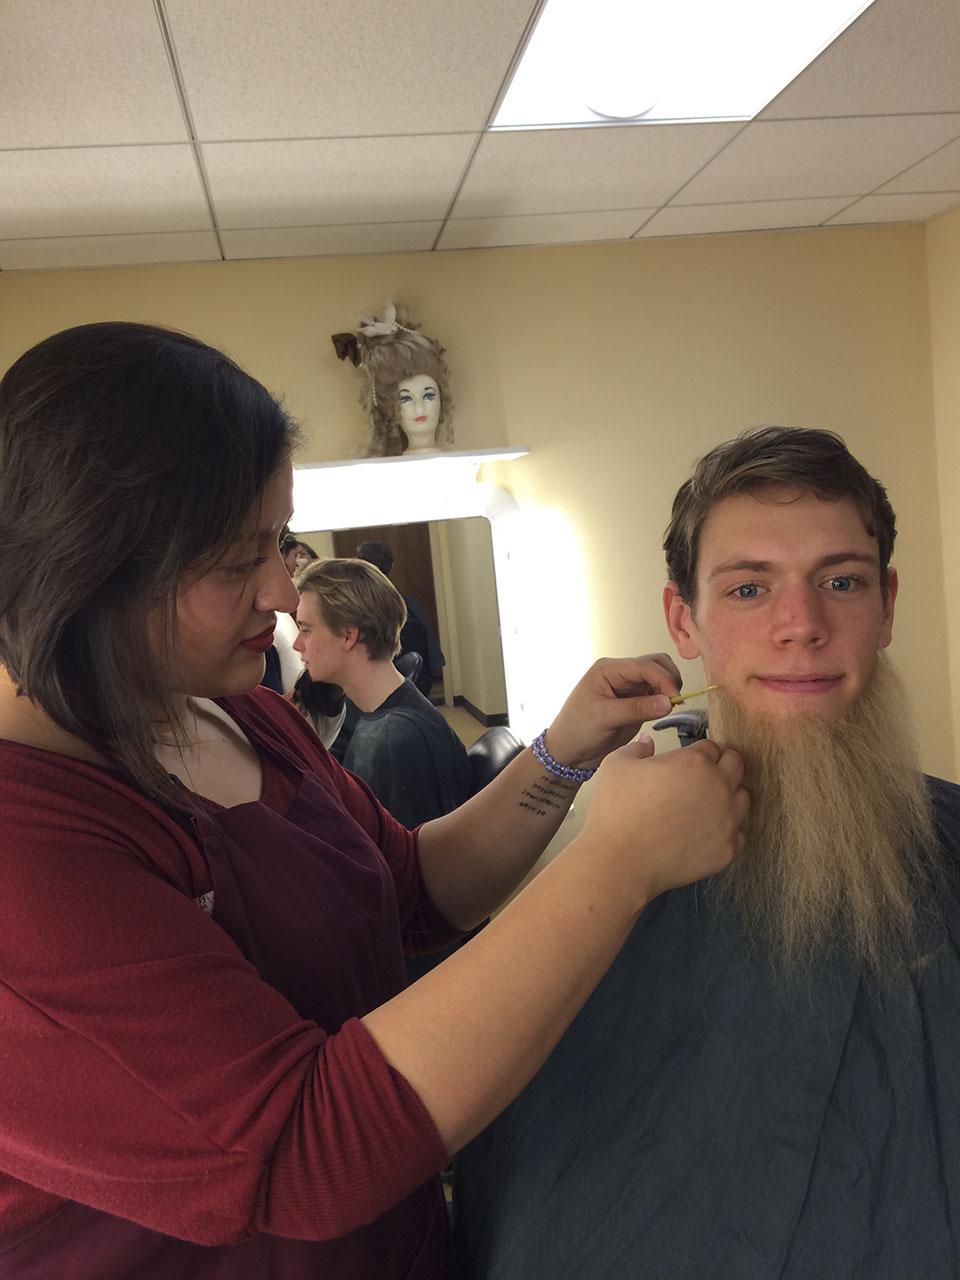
318	241
900	57
324	68
542	228
767	215
897	208
363	152
938	172
99	190
55	253
790	159
585	170
84	73
334	180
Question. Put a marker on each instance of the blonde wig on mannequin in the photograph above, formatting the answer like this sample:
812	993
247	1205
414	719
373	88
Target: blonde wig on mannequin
388	351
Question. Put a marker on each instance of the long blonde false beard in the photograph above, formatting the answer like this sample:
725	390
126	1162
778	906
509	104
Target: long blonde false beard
841	851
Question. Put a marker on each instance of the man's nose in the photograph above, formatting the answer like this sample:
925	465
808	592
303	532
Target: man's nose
800	617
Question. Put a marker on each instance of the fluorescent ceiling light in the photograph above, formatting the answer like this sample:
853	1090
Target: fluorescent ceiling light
617	61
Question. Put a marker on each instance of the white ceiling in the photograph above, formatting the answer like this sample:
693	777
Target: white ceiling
137	131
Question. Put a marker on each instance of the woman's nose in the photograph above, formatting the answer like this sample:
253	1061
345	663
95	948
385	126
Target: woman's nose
278	594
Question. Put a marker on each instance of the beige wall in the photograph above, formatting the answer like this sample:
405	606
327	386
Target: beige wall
319	541
473	589
617	364
943	270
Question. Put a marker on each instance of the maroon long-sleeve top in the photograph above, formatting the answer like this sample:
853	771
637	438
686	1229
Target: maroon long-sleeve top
148	1069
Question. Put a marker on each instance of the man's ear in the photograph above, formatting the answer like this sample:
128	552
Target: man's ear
680	622
886	628
349	638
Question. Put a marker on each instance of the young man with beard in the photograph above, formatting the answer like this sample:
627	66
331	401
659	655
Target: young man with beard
767	1082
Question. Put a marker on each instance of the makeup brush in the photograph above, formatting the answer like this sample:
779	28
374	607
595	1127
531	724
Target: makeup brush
695	693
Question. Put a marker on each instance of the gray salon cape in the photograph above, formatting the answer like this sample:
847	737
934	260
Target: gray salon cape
703	1120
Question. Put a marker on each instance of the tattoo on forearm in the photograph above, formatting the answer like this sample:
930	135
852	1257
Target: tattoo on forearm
547	794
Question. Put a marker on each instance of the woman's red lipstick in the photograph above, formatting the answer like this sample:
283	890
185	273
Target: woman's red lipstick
260	643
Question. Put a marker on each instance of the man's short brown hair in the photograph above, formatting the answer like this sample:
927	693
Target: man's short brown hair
353	593
790	457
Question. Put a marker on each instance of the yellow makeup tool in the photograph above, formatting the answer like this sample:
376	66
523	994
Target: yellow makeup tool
695	693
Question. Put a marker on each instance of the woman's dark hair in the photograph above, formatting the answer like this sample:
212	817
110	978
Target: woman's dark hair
290	542
765	457
137	453
317	697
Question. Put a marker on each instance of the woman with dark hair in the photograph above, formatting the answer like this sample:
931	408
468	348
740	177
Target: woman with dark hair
209	1066
296	555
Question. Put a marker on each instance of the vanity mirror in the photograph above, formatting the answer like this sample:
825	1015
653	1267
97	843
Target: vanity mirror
472	561
446	568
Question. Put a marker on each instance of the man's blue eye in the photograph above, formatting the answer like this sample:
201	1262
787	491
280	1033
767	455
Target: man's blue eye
748	591
841	583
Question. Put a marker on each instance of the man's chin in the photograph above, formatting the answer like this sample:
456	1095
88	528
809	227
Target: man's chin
785	707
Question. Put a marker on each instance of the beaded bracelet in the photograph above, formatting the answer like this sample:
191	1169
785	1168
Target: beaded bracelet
566	771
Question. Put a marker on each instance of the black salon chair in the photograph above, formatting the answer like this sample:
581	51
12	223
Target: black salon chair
410	665
491	752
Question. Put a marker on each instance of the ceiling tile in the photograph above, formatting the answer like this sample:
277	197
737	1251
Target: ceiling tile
309	242
897	208
542	228
702	219
334	181
84	72
323	68
100	190
899	56
108	251
782	160
575	170
939	172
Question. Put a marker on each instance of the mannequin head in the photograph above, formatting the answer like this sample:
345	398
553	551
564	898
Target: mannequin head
401	368
406	390
420	409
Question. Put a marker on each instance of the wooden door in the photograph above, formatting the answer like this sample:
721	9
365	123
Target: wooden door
412	572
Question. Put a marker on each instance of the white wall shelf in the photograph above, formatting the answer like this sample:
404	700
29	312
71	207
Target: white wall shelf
368	491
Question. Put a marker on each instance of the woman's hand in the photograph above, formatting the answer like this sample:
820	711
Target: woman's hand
609	705
470	1034
668	821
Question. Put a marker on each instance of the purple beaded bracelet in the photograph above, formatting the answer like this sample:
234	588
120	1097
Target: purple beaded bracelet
566	771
